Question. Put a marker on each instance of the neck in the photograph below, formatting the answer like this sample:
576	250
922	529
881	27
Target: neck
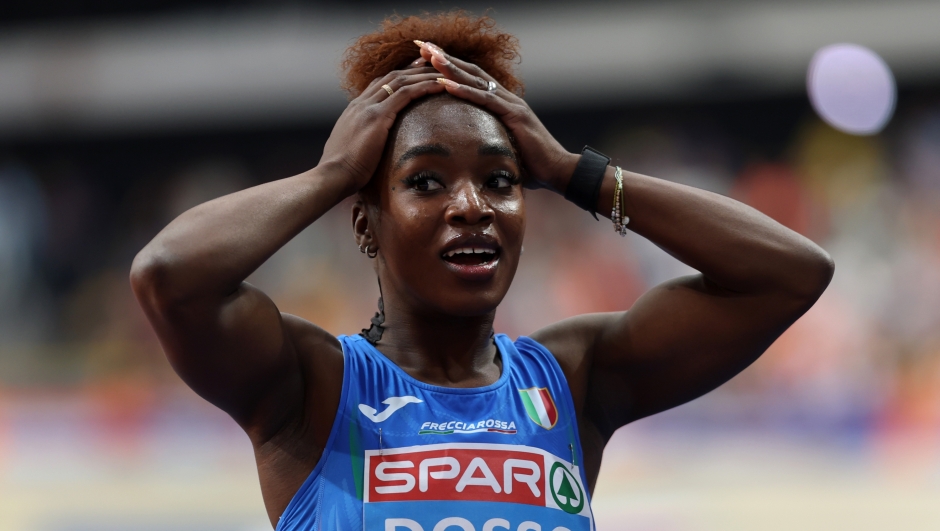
440	349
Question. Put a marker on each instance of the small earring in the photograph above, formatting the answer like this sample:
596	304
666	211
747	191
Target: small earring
372	253
361	250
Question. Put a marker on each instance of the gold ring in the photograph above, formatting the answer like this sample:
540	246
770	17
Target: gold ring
388	89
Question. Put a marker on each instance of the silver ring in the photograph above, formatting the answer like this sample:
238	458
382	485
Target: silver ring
388	89
491	86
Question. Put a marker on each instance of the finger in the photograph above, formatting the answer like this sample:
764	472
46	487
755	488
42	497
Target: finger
383	79
455	73
472	68
375	86
424	50
376	83
475	70
463	72
436	55
400	82
379	81
402	97
446	66
372	84
488	100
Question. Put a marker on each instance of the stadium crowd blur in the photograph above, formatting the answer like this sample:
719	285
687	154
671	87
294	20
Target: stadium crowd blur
79	362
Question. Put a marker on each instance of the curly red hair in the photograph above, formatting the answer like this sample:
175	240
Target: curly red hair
474	39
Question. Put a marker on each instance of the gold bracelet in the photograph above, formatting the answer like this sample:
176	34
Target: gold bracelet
615	211
618	214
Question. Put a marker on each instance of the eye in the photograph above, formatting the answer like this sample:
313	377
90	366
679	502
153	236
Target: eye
501	179
423	182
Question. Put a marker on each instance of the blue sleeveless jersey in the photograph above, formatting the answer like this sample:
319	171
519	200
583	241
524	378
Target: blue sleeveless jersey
404	455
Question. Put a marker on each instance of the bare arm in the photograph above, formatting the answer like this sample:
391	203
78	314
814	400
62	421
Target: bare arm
687	336
684	337
227	339
224	337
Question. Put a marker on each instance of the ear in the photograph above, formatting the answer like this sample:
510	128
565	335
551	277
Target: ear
362	225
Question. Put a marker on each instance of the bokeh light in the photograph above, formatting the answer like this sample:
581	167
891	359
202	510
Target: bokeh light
851	88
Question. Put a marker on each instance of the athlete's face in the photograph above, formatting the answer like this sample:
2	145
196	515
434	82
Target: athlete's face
451	214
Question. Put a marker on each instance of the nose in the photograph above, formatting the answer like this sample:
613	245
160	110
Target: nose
468	206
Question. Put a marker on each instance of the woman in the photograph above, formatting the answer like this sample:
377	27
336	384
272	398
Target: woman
427	420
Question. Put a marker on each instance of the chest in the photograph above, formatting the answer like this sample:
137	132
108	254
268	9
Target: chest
476	460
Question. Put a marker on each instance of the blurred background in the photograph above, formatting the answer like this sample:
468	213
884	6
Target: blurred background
117	116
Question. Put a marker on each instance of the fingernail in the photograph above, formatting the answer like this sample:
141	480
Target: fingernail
419	43
436	52
419	61
447	83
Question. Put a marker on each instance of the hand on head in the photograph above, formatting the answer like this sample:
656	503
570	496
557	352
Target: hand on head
359	136
547	163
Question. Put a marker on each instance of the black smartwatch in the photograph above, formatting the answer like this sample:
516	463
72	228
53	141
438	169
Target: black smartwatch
585	184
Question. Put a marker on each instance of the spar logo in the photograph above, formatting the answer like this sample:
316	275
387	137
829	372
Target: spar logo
473	472
510	487
450	472
539	406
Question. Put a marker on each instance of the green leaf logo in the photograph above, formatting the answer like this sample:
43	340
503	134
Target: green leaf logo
566	490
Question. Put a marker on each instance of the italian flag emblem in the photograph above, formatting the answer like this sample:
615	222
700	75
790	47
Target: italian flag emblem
540	406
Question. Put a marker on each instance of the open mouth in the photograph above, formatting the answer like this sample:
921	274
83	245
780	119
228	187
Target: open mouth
471	256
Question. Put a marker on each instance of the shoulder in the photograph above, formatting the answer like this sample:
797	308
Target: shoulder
319	355
572	340
321	366
309	340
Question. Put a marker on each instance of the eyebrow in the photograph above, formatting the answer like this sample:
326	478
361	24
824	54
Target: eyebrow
438	149
417	151
499	150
